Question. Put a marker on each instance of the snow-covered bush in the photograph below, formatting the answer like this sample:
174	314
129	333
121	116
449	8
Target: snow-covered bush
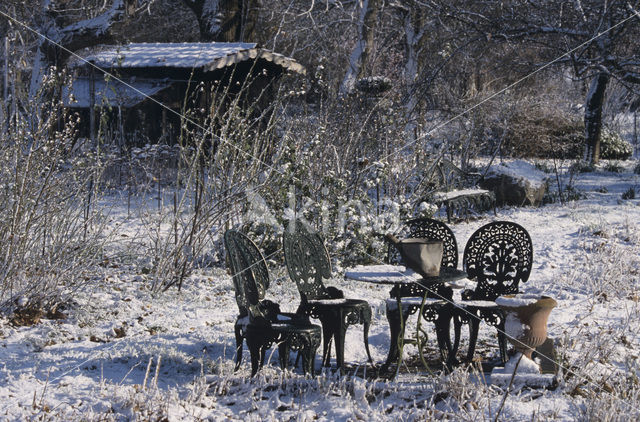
581	166
613	147
613	167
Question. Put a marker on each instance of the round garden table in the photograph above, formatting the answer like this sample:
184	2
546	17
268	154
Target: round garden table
398	277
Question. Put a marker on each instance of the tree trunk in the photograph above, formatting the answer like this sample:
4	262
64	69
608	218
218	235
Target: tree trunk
593	116
225	20
364	44
414	31
79	35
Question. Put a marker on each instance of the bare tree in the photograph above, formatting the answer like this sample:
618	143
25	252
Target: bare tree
368	15
595	38
225	20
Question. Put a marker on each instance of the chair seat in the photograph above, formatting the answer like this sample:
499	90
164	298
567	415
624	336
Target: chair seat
295	328
392	304
243	321
341	302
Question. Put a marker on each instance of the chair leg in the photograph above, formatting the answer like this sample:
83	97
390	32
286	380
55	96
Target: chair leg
298	355
308	354
443	336
474	326
255	343
283	352
339	335
502	342
327	336
263	352
395	331
239	340
365	330
457	326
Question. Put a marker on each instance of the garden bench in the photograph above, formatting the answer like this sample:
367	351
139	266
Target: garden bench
456	191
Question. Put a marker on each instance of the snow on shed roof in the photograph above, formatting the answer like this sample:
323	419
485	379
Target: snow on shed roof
207	56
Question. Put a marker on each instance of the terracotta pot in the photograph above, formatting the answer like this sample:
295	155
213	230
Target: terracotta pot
526	320
423	256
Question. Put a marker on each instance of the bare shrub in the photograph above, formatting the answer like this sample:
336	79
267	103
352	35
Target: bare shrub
541	132
48	237
218	163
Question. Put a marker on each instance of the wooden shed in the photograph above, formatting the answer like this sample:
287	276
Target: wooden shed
143	88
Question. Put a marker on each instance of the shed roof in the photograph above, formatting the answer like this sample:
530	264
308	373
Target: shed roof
204	56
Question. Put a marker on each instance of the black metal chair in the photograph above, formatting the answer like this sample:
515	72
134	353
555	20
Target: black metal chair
498	256
308	263
260	321
434	308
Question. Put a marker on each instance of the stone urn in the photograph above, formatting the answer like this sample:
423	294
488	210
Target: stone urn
526	318
423	256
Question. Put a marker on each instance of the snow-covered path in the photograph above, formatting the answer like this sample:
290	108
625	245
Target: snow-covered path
102	361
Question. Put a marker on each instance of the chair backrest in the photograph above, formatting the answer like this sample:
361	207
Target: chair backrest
499	257
429	228
248	268
307	260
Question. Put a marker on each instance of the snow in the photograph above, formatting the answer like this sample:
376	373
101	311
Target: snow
177	55
443	196
382	274
330	301
513	326
522	371
204	56
411	301
519	364
517	300
177	354
521	170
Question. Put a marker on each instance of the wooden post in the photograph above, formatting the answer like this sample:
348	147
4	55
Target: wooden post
635	130
164	136
92	104
5	107
92	126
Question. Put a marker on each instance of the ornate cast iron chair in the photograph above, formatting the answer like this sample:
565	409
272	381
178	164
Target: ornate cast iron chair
498	256
308	263
260	321
435	309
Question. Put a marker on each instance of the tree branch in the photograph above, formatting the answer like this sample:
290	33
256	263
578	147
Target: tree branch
86	33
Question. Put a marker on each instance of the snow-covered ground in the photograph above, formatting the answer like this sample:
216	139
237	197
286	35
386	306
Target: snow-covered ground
124	353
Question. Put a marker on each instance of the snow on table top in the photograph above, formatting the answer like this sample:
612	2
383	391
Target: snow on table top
340	301
392	304
383	274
